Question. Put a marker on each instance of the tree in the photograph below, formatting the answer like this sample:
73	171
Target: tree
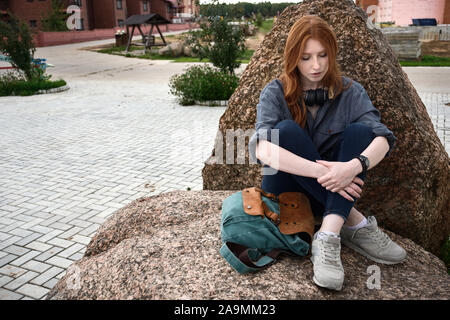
220	42
16	41
237	10
55	20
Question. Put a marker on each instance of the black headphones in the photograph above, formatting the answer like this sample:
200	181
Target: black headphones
316	97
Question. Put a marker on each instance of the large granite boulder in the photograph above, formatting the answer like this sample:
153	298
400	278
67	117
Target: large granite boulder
408	191
167	247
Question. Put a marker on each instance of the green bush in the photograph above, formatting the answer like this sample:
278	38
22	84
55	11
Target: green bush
258	20
203	83
16	42
15	84
218	41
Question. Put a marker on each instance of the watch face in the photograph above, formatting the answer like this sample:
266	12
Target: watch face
366	161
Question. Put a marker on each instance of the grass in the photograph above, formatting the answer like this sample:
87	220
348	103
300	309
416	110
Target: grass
266	26
28	88
118	50
427	61
245	58
152	55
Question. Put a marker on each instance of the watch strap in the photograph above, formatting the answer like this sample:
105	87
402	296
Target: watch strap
364	164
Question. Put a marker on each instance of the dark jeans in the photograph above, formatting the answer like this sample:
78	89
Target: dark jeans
354	140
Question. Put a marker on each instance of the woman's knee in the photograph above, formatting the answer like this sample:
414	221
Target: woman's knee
288	129
295	139
358	133
359	129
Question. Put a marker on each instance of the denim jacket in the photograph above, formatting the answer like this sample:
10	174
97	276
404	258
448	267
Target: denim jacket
352	105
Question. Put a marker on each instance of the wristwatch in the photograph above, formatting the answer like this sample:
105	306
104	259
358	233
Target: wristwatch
364	162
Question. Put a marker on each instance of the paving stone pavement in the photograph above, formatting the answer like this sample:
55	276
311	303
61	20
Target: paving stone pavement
70	160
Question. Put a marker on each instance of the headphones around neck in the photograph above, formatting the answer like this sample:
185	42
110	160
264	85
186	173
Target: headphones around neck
316	97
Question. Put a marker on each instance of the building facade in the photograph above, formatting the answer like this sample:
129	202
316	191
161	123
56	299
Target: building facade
403	11
97	14
189	8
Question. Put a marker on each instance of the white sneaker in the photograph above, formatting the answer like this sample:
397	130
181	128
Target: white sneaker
373	243
326	258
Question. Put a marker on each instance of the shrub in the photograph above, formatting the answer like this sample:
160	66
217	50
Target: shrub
203	83
16	41
14	83
218	41
259	20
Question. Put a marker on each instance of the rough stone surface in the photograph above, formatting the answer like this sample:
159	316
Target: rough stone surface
408	191
174	49
167	247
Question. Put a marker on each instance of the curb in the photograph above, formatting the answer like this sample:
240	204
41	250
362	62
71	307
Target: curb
212	103
54	90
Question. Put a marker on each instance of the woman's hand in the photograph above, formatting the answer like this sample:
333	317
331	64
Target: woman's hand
341	178
352	189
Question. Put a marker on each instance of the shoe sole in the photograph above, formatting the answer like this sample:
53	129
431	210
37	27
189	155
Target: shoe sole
364	253
337	288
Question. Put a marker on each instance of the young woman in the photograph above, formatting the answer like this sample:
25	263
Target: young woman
329	135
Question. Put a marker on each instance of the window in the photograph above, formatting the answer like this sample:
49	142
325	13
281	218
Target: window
33	23
81	25
145	5
119	4
77	3
120	22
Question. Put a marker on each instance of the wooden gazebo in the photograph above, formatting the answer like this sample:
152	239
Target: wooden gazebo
137	20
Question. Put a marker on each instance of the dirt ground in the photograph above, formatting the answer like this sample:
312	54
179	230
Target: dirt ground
253	42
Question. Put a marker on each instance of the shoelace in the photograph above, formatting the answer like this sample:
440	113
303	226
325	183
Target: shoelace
330	254
380	238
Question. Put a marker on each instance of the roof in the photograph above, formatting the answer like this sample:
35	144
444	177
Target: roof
153	18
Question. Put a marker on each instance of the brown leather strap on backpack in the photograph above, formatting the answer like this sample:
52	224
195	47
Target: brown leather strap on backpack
295	211
253	204
241	252
272	196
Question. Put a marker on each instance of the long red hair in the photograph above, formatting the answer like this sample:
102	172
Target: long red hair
308	27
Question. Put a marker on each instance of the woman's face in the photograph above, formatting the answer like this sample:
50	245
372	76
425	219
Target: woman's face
313	64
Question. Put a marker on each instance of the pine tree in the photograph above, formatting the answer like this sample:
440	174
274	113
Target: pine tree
55	20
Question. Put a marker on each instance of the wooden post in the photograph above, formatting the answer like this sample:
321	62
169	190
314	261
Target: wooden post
148	39
130	36
142	34
162	37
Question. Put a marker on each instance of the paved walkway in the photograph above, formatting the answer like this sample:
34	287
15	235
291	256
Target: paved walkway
69	160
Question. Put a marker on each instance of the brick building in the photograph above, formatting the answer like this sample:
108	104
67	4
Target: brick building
403	11
189	8
97	14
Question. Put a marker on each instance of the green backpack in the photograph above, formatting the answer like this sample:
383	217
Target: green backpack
251	224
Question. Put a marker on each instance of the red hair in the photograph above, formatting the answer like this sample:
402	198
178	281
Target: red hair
308	27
